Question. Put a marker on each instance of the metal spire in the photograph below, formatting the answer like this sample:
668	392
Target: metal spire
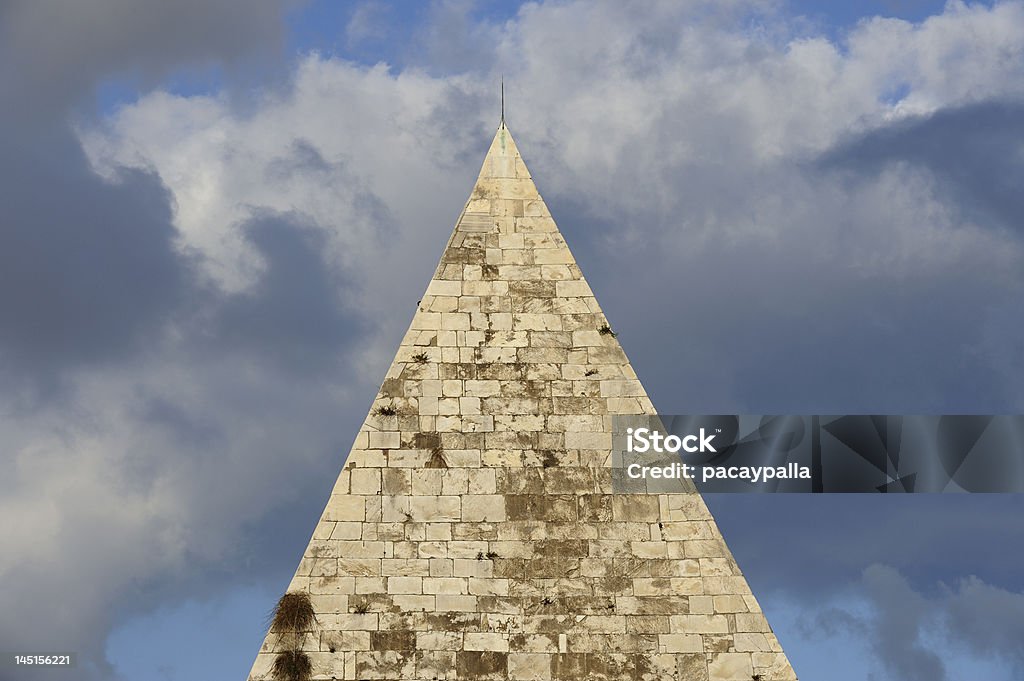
503	100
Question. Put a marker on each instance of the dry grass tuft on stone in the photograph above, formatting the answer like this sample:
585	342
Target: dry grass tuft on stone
293	614
292	665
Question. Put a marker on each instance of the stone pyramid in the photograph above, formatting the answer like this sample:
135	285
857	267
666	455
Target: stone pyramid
473	532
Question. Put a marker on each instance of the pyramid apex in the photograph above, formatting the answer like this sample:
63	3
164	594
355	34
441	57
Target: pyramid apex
503	160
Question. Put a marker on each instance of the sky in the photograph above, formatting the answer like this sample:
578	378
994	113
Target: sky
217	218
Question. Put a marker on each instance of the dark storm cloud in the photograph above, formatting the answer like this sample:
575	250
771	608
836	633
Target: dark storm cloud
52	53
973	150
88	269
292	316
90	273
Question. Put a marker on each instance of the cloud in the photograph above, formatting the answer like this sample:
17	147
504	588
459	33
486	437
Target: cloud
294	314
963	148
927	538
367	22
452	40
145	405
89	270
54	53
925	634
897	629
986	619
151	414
793	240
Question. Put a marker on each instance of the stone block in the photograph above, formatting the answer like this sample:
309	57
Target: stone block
435	509
485	641
479	586
344	640
438	640
700	624
692	667
635	508
385	439
444	288
752	622
482	665
702	605
751	643
345	507
405	585
359	567
730	667
483	508
730	604
445	585
365	481
588	440
552	256
680	643
529	666
457	603
384	664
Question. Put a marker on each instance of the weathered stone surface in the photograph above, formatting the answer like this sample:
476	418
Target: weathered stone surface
730	667
473	532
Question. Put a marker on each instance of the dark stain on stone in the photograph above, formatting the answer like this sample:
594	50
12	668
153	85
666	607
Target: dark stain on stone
392	640
474	664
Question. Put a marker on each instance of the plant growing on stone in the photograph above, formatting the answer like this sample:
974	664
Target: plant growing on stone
606	330
420	358
293	616
590	372
361	608
292	665
385	410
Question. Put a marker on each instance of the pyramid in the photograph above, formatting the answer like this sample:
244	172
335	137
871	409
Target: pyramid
473	532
